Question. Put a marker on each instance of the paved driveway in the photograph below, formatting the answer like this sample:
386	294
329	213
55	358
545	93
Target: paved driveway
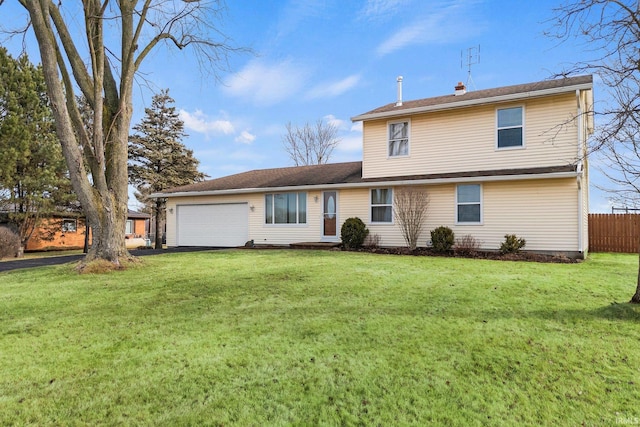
63	259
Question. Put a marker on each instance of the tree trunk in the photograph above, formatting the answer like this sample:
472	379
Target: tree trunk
108	232
158	212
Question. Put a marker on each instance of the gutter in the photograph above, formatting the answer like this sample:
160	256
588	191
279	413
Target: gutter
369	184
472	102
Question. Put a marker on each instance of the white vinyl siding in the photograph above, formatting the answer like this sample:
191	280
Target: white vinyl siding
543	211
465	140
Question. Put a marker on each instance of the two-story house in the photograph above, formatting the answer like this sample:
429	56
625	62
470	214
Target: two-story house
510	160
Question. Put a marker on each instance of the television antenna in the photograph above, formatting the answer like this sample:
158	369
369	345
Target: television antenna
472	58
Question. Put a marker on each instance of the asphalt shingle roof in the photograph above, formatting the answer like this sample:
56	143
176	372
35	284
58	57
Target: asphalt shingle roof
327	174
488	94
338	173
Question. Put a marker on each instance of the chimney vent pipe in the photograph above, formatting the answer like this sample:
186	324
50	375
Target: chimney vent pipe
399	101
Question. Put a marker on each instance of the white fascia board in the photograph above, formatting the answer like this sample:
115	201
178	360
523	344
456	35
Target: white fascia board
473	102
390	183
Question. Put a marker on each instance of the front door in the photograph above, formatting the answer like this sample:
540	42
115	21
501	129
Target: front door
329	215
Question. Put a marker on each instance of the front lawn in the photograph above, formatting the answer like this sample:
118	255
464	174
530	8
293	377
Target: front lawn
278	337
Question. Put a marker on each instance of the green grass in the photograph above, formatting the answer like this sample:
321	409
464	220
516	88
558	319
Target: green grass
321	338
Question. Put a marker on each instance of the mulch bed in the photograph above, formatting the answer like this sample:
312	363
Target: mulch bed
492	255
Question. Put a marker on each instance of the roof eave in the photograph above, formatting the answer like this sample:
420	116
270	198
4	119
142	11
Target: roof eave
384	183
474	102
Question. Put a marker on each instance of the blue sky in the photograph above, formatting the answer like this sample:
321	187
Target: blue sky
334	59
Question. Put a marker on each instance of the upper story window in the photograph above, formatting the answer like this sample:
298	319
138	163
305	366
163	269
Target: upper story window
469	204
510	127
381	205
285	208
399	139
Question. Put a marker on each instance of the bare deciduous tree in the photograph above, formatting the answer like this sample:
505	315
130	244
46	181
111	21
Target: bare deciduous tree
610	31
410	211
100	61
311	145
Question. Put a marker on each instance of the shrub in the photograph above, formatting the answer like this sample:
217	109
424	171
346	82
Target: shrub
372	241
410	211
353	233
442	239
512	244
466	245
9	243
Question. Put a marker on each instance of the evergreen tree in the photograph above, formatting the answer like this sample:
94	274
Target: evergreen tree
158	160
34	180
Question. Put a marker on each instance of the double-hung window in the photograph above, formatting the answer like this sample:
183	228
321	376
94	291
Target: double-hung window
469	204
285	208
381	205
398	139
510	127
128	228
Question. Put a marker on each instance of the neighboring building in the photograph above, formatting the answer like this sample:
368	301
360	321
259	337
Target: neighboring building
68	231
510	160
63	232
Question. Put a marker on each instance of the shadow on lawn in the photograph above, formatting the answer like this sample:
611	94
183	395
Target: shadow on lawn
615	311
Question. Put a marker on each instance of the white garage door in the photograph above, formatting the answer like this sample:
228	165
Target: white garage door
213	225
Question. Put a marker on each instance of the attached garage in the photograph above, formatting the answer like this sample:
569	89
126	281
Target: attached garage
225	225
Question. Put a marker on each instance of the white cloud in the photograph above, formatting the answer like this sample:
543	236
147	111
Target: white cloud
333	120
356	127
382	9
444	23
199	122
267	84
245	137
296	12
330	90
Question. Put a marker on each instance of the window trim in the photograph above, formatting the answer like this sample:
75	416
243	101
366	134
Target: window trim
371	206
69	220
481	203
522	126
392	122
133	226
297	204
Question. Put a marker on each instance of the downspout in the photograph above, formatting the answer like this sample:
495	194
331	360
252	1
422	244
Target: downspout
579	170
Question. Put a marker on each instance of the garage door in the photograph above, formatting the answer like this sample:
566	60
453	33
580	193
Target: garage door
212	225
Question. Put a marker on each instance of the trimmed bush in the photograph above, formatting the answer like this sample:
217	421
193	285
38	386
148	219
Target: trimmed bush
9	243
512	244
353	233
442	239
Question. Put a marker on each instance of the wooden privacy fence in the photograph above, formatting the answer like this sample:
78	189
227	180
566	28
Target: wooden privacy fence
614	232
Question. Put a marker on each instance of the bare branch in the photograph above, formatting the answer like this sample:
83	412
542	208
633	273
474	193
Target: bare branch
410	211
309	145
